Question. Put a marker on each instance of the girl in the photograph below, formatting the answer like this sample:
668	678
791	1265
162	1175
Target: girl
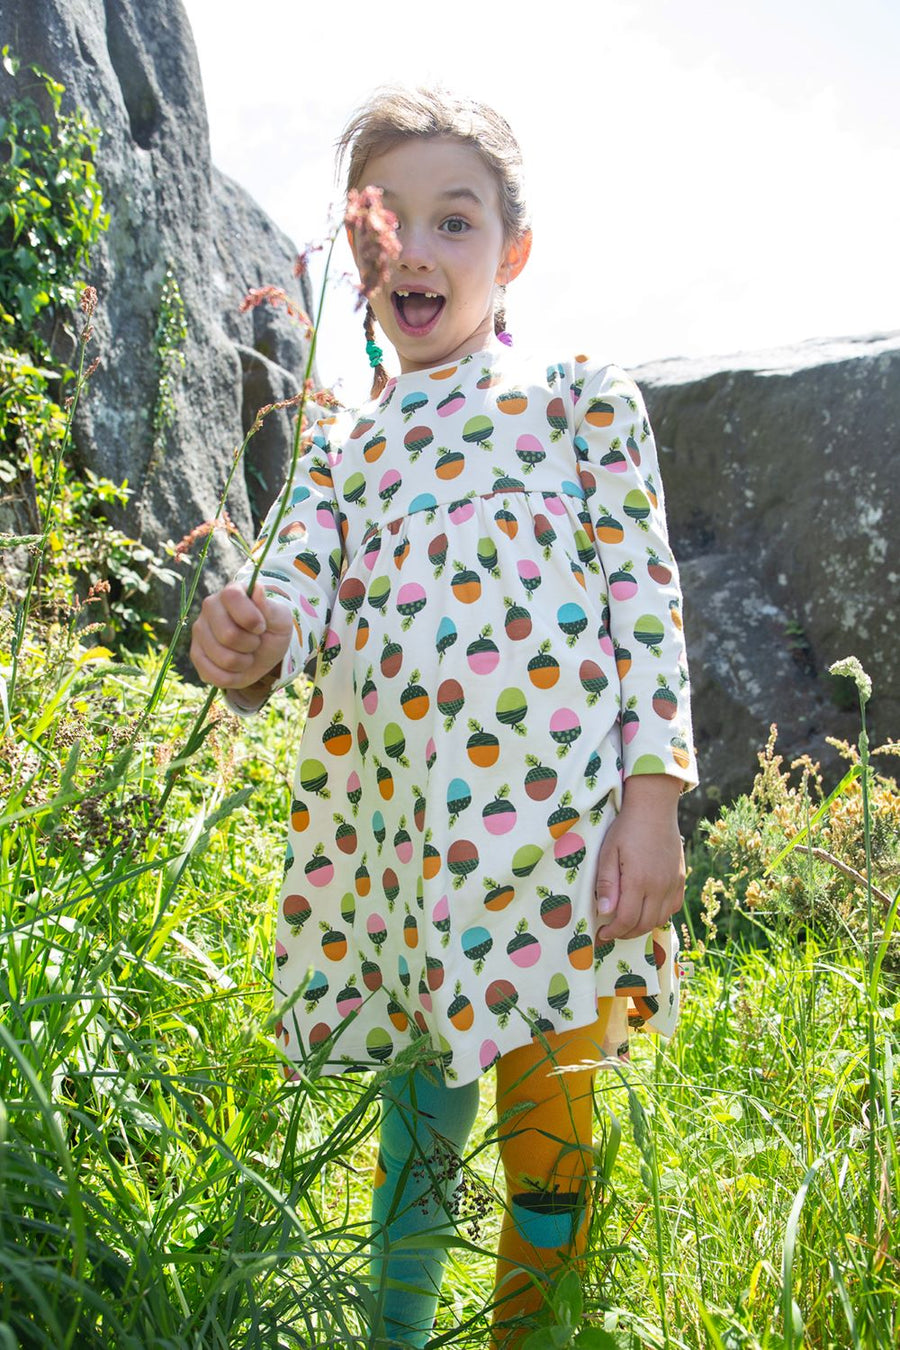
483	853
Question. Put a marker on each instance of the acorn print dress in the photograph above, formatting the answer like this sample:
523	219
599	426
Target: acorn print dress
484	597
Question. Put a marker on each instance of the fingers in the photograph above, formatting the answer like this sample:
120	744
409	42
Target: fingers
236	638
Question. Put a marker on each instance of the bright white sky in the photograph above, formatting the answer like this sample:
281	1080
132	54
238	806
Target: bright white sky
705	176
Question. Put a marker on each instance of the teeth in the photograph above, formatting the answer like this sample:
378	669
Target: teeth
429	295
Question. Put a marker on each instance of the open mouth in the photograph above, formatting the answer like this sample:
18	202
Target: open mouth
417	311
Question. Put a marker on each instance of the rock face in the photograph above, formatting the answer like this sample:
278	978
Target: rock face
781	487
780	468
131	65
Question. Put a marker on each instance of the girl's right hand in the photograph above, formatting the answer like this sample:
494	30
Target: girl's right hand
238	640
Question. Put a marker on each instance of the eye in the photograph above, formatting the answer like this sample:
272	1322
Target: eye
455	225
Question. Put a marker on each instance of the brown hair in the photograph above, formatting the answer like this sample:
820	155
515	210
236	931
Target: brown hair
394	114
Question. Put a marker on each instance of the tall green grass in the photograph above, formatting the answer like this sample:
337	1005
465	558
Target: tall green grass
162	1186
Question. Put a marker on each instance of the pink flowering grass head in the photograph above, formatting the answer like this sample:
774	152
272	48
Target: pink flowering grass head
373	233
278	297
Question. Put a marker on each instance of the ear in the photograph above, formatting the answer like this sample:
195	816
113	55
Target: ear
514	259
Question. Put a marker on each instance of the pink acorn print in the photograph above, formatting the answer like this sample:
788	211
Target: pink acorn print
622	585
523	950
630	722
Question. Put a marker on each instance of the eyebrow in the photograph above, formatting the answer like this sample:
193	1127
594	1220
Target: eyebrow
451	194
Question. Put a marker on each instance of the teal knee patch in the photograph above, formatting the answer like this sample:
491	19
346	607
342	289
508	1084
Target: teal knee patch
547	1218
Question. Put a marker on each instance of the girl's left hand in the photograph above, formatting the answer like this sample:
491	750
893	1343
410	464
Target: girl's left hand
640	871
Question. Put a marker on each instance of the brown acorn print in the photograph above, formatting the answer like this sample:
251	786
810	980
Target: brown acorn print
391	658
664	702
540	780
345	836
517	620
556	909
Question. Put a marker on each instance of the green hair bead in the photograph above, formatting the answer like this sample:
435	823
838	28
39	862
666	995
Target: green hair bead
374	354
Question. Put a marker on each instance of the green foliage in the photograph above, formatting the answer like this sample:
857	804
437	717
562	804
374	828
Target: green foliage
169	340
51	206
51	215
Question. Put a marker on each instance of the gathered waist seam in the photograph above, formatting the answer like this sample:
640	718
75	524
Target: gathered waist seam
392	526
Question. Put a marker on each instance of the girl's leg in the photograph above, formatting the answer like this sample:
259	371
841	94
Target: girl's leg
546	1152
424	1128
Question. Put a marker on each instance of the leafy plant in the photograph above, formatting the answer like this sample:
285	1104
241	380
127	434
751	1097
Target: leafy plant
51	205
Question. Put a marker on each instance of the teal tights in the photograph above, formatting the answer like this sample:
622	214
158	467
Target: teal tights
424	1128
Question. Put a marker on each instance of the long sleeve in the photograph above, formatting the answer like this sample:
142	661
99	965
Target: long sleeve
303	566
620	474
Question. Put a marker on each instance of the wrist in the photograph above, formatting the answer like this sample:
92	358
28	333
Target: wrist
652	790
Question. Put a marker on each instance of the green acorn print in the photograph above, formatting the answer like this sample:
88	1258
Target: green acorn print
313	777
526	859
637	507
379	1045
487	555
348	907
512	707
355	489
379	593
395	744
650	631
517	620
558	995
584	547
478	430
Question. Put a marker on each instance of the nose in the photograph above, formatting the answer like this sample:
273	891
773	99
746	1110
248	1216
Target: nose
416	252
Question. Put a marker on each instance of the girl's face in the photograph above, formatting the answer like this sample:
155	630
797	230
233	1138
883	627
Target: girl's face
439	302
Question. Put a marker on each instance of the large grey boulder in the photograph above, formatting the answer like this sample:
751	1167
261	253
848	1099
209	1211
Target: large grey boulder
781	473
132	66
